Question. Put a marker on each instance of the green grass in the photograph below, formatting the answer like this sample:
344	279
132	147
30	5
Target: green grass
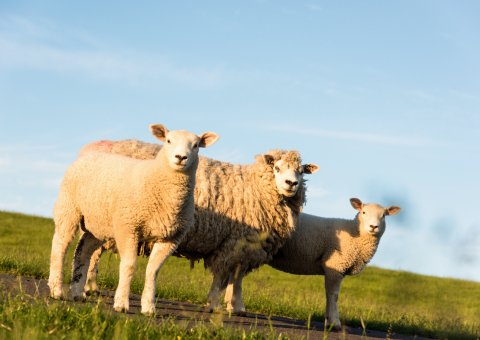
27	317
381	299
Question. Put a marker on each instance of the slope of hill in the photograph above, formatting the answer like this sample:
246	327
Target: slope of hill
378	299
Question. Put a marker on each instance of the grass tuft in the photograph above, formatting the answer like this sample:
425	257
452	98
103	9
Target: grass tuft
27	317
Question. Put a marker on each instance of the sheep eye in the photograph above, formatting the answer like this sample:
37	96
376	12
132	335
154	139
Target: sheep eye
364	212
277	169
168	141
195	145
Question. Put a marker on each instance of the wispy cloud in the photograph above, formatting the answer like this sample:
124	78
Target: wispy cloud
4	162
234	155
314	7
31	160
316	192
424	95
26	44
464	95
354	136
30	176
14	148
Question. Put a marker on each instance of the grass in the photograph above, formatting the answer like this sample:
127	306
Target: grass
380	299
27	317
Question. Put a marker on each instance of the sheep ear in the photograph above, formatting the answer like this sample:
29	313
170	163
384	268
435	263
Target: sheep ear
268	159
159	131
356	203
310	168
393	210
207	139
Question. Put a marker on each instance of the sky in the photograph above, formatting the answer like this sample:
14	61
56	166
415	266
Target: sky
383	95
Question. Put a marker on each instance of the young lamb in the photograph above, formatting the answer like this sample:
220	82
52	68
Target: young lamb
126	200
243	213
332	247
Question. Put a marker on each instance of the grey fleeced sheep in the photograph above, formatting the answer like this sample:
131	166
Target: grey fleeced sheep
126	200
244	213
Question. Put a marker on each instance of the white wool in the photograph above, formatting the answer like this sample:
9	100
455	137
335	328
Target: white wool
333	247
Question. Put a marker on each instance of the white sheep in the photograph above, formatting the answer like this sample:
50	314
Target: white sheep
126	200
332	247
244	213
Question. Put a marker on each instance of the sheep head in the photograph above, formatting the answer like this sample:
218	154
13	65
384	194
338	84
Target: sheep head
180	146
371	216
288	170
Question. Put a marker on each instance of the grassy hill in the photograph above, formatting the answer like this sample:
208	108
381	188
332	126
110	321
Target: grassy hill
380	299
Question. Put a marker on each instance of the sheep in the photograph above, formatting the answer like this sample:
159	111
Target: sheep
113	197
243	213
332	247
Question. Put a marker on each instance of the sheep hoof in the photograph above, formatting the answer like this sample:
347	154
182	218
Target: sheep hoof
337	327
213	309
79	298
148	311
56	293
92	292
56	296
334	326
120	309
240	312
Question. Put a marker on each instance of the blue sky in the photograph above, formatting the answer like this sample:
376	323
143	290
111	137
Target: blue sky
383	95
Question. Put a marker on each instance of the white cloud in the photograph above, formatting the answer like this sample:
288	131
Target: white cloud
31	176
314	7
22	159
4	162
316	192
424	95
48	165
24	44
14	148
462	95
234	155
354	136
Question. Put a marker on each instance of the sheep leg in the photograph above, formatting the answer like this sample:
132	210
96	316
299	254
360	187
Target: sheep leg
66	225
127	248
218	284
233	294
87	244
333	280
160	252
91	287
229	295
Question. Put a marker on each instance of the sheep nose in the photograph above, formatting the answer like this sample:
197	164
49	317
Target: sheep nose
181	158
289	182
373	227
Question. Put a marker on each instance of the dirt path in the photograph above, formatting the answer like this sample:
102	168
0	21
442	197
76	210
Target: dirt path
188	314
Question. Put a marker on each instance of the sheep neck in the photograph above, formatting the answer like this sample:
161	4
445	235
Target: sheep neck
169	193
286	210
366	246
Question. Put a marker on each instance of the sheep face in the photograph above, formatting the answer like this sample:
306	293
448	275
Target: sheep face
289	171
371	216
181	147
